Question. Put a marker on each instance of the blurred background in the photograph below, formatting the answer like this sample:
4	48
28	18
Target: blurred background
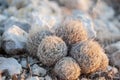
101	16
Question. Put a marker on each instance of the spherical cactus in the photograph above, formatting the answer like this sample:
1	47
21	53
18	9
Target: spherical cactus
67	69
104	63
71	31
51	49
36	35
88	54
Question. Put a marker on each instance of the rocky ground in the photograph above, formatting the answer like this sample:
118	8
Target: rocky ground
101	20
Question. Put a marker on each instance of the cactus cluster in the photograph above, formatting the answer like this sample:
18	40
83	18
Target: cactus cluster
83	57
